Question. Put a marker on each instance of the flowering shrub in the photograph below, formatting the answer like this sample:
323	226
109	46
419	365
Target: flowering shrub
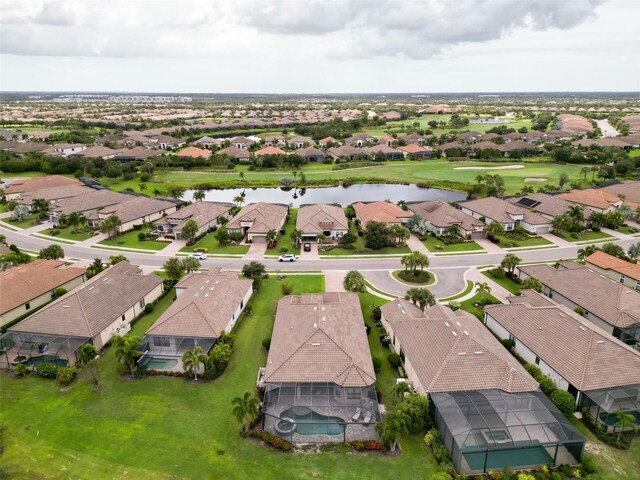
273	440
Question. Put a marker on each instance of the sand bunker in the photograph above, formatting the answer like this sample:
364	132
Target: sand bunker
505	167
534	180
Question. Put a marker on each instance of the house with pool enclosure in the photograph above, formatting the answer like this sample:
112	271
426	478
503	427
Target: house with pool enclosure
319	382
206	304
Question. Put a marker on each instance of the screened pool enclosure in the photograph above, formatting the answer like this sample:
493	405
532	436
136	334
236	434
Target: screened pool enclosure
320	412
602	403
36	348
165	352
491	429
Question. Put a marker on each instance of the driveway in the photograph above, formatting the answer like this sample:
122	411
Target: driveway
311	255
256	251
488	245
333	280
416	245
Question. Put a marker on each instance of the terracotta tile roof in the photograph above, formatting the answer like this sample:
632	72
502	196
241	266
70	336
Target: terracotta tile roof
320	338
205	307
629	188
503	211
609	262
310	218
233	151
380	212
601	296
586	356
447	350
591	197
343	151
23	283
39	183
310	152
265	217
270	150
442	215
194	152
91	307
413	148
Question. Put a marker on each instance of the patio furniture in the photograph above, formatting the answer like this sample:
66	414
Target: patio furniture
356	415
367	417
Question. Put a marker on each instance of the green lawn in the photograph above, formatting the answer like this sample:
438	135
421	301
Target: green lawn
506	283
463	293
68	233
28	222
130	240
626	229
468	305
360	249
169	428
588	235
284	240
434	244
211	244
506	242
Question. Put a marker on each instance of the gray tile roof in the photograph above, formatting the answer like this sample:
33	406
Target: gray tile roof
503	211
265	217
442	215
311	216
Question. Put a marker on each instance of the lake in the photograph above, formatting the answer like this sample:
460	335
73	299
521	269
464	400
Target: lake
341	195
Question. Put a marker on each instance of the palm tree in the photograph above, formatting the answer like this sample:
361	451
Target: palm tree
624	421
586	251
238	200
76	219
421	297
393	425
198	195
594	169
576	212
271	237
241	176
126	350
482	287
320	238
400	389
190	264
495	229
584	171
156	192
191	361
296	236
634	250
408	261
142	186
597	219
510	262
245	409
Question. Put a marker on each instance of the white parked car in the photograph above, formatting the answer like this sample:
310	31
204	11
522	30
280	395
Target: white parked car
199	255
287	257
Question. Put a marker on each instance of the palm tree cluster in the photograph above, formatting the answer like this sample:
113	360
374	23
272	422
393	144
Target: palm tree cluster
421	297
415	260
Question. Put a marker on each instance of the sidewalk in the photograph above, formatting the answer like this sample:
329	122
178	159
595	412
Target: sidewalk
488	245
173	248
333	280
93	240
561	242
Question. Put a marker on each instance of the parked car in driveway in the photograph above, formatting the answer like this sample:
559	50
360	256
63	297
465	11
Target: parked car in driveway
287	257
307	247
199	255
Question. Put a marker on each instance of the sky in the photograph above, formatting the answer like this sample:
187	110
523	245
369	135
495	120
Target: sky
320	46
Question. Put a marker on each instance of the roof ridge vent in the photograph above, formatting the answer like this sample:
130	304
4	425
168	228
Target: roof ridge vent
454	333
462	353
600	341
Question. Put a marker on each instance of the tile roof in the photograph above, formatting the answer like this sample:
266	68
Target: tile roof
135	207
380	212
591	197
344	151
23	283
609	300
90	200
447	350
201	212
265	217
194	152
311	216
53	193
629	188
270	150
503	211
91	307
310	152
442	215
205	307
609	262
413	148
546	204
320	338
39	183
586	356
235	152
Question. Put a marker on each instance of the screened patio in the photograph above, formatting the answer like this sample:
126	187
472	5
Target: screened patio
160	352
36	348
320	412
602	403
492	429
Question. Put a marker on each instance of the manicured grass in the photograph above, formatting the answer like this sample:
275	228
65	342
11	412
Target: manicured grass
465	292
28	222
434	244
130	240
626	229
67	233
284	240
164	427
469	305
423	277
360	249
505	282
211	244
507	242
587	235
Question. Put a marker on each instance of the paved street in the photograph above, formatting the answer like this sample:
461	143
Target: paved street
606	128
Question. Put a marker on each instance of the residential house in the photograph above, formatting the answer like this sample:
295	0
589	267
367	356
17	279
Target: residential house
440	216
599	370
26	287
319	380
479	415
311	154
386	212
344	152
392	115
453	149
327	140
469	137
275	140
29	185
240	154
136	210
416	152
549	206
615	268
67	149
52	194
410	138
86	203
389	152
93	312
194	152
208	142
301	142
165	142
257	219
206	214
98	151
627	190
596	199
137	153
360	140
605	302
328	220
241	142
18	148
270	150
206	305
507	214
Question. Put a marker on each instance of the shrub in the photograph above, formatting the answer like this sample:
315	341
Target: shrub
47	370
508	343
86	353
454	305
376	313
66	375
284	250
579	311
377	364
546	385
533	370
589	464
218	361
432	436
148	308
416	408
266	343
497	273
564	401
272	440
21	370
286	289
394	360
142	236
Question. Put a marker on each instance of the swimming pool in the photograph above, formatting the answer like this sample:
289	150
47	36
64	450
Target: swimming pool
160	363
308	422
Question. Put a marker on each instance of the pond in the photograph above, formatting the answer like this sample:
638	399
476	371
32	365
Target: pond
341	195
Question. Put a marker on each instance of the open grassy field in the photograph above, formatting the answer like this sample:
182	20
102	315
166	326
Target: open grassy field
168	428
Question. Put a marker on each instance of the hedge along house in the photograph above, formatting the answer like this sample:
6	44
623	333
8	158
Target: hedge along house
206	305
488	409
600	371
93	312
606	303
319	380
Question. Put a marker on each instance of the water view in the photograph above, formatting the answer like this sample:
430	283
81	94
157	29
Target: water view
340	195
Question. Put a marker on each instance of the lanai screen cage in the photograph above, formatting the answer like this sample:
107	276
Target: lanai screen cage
602	403
320	412
160	347
37	348
491	429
